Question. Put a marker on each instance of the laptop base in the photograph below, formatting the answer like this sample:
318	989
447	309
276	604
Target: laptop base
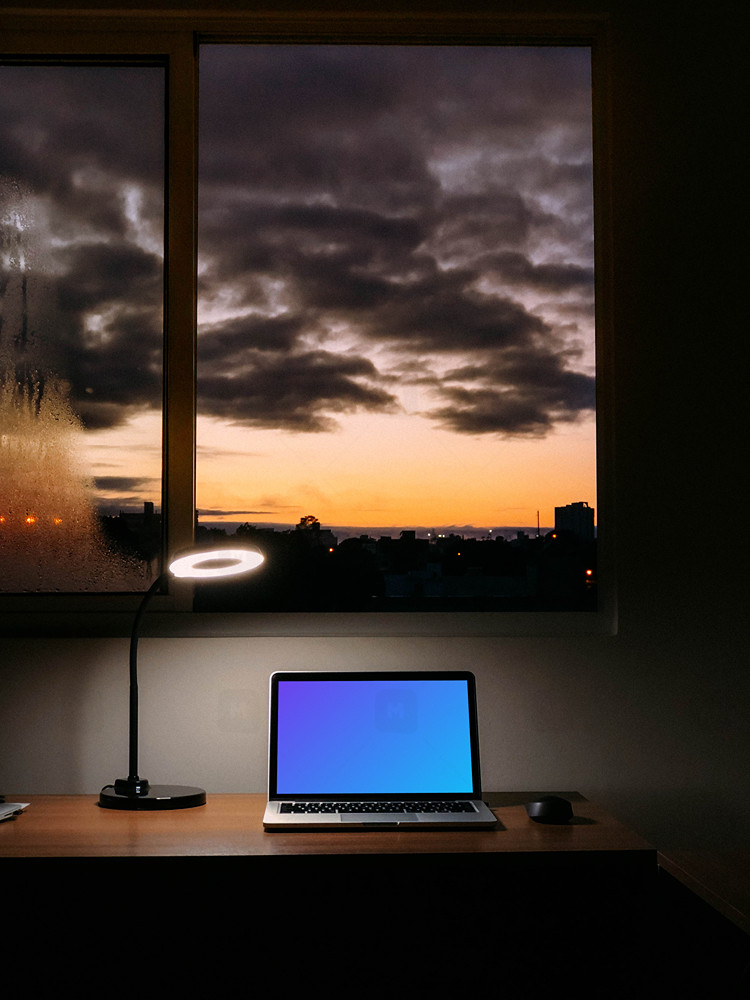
482	819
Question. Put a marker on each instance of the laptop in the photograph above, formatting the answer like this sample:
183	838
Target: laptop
374	750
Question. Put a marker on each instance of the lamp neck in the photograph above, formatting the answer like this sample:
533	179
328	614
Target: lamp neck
133	778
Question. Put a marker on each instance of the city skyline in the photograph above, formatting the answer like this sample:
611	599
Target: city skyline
428	532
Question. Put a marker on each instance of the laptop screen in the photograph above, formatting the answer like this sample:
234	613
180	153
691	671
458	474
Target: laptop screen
373	734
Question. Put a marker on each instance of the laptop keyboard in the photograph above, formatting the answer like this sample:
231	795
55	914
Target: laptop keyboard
312	808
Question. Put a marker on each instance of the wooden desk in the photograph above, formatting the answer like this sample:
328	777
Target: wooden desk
445	910
73	826
521	886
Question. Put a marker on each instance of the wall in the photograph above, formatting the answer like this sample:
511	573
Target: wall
653	722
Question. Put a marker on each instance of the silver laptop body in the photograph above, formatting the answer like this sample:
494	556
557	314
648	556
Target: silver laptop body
374	749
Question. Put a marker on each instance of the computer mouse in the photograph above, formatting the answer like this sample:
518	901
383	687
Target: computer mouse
550	809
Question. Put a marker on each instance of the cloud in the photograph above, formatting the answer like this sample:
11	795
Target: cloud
64	127
103	273
209	513
445	313
364	212
81	228
517	269
298	392
510	404
271	137
123	484
396	206
226	344
124	493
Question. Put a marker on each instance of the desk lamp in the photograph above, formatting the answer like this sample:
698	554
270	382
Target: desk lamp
134	792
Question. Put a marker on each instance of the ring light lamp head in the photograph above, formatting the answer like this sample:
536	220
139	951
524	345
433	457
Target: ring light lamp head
215	563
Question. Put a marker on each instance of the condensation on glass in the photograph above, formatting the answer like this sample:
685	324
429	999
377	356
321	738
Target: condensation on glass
81	326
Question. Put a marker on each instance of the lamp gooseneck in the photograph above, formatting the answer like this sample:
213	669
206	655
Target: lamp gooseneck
133	784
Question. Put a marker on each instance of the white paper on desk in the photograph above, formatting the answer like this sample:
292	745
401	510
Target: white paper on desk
9	809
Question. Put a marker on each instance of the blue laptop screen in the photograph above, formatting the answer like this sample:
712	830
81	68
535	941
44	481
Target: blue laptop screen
372	737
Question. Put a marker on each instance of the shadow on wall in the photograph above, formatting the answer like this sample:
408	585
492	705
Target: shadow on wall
71	715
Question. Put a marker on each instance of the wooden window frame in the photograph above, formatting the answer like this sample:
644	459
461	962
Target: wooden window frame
174	39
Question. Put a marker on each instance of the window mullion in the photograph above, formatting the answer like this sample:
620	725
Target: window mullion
181	296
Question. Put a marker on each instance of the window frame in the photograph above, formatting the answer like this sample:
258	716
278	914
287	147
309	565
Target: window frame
174	39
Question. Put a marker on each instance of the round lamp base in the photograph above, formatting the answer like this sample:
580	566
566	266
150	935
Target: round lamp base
157	797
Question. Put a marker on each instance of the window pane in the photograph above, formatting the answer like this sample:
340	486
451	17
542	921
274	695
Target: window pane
396	381
81	335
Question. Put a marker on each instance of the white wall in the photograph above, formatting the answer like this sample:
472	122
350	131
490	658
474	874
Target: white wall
650	730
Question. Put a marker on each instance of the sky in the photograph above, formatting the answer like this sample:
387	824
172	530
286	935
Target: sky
395	278
81	221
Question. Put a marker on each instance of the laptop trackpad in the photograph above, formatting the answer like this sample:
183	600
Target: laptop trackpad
378	818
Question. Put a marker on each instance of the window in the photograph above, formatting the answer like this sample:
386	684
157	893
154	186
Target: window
367	381
82	290
396	323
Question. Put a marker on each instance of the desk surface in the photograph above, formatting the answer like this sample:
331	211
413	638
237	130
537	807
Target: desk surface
231	825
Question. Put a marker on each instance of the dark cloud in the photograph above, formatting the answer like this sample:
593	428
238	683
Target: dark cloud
103	273
517	269
118	494
339	116
81	196
270	133
208	512
226	344
310	248
299	392
447	315
115	365
123	484
522	394
363	211
406	198
482	411
66	127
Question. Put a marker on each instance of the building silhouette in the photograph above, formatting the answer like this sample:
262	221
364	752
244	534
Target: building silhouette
577	518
